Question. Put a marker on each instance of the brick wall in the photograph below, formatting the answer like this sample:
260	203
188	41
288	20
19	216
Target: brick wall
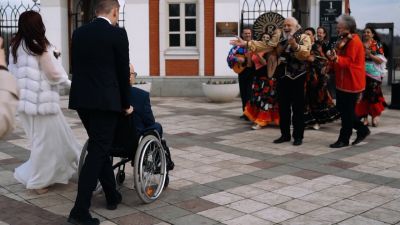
154	37
209	37
182	67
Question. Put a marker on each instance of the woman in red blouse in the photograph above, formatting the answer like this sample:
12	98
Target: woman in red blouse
372	102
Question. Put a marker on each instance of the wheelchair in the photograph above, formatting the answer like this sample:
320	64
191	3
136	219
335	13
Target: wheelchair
148	154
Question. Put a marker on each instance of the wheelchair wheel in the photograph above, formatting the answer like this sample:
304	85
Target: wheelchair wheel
120	178
150	169
98	188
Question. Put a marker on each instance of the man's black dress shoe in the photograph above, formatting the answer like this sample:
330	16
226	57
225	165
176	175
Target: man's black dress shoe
297	142
281	140
87	221
244	117
361	136
339	144
113	206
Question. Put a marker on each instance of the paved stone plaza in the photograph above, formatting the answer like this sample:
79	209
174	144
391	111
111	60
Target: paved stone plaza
228	174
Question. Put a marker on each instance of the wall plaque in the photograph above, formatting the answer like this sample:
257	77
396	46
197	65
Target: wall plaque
226	29
329	11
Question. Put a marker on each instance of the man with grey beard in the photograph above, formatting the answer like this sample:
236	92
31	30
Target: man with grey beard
293	47
293	50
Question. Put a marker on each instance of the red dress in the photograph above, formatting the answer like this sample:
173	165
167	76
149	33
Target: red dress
372	102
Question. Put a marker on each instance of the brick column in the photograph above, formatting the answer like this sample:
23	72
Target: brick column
209	37
154	36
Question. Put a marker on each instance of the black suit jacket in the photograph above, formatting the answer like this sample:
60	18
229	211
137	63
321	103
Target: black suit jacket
100	67
142	114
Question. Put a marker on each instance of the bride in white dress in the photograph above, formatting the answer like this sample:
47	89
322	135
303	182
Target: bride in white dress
54	149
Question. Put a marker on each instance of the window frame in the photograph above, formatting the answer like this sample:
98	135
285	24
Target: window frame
182	49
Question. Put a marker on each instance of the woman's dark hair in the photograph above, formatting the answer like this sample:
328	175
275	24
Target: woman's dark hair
31	30
310	29
373	31
326	38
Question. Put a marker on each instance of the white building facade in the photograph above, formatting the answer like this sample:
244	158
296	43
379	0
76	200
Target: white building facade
175	37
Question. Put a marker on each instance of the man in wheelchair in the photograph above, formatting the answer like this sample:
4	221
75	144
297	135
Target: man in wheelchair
143	117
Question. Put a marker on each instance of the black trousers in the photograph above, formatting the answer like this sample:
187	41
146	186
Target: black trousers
245	82
291	99
345	103
100	126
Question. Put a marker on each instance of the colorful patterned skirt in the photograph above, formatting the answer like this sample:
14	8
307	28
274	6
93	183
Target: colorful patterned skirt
262	108
319	106
372	103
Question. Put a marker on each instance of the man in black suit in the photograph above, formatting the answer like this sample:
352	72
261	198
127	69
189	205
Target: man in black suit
143	116
99	92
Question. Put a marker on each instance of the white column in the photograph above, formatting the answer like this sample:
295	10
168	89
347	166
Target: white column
137	27
55	18
225	11
314	13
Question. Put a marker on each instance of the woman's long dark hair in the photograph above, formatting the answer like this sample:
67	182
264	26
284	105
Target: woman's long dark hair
326	38
31	30
373	31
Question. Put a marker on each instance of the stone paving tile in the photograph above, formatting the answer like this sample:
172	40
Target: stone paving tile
222	198
386	191
293	191
221	213
193	220
246	220
223	184
245	179
168	212
383	215
197	205
342	164
321	199
362	186
359	220
172	197
330	179
288	179
247	206
48	201
62	210
305	220
123	210
308	174
299	206
14	212
275	214
179	184
329	214
246	191
7	178
136	219
266	174
269	185
264	164
372	199
343	191
198	190
314	185
271	198
393	205
352	207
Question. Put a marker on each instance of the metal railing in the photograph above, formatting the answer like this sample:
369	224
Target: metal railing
250	12
9	16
